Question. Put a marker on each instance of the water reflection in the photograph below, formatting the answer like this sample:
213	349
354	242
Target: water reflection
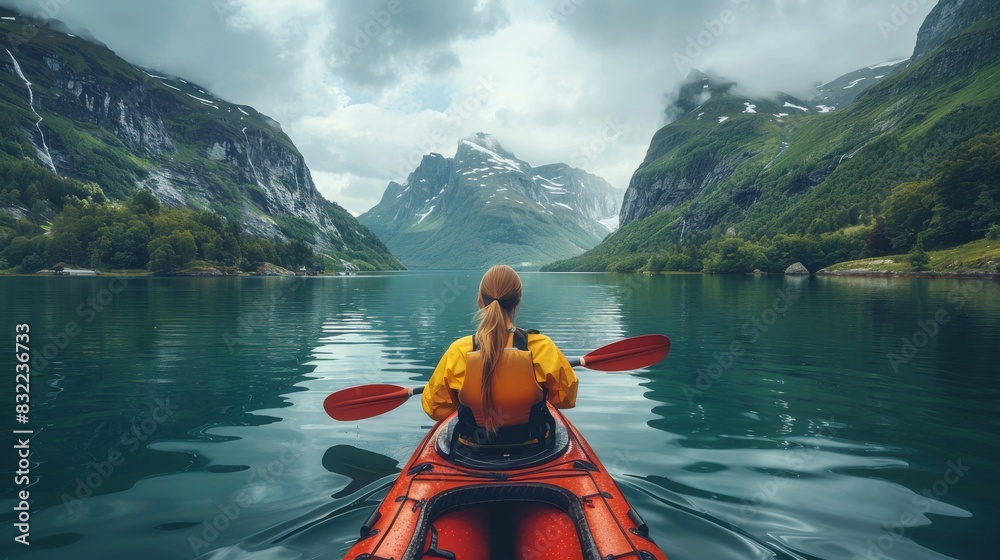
362	467
806	443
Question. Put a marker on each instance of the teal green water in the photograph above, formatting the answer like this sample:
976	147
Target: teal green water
794	418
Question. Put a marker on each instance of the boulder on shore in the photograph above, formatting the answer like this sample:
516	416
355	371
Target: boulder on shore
797	269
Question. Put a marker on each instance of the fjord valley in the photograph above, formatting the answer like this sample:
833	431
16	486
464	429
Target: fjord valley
736	183
244	376
484	206
108	165
112	166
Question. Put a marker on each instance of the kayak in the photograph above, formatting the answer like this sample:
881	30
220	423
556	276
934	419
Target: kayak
553	502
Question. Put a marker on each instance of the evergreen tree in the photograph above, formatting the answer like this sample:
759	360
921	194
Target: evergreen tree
918	257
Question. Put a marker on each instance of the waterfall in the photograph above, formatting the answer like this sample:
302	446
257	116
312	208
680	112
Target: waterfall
249	159
46	156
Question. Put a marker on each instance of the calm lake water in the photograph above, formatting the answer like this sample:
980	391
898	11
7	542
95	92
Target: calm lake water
813	418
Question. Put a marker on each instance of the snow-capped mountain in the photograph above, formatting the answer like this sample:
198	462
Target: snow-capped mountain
840	93
486	206
813	180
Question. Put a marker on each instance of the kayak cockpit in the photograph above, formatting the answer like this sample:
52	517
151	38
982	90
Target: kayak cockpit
553	502
499	458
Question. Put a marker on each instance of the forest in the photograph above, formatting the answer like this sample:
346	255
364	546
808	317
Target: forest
84	228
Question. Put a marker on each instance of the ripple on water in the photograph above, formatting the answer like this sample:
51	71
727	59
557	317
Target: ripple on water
808	445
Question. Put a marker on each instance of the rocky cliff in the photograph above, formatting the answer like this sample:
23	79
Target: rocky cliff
124	128
948	19
736	179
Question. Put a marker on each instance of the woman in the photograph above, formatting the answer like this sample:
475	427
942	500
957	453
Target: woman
500	378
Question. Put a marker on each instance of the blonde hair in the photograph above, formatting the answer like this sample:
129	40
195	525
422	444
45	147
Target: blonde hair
499	298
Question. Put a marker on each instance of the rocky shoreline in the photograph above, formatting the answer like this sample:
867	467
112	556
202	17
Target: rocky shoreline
867	272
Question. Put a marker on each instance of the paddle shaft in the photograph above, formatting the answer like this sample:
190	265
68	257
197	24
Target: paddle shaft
418	390
371	400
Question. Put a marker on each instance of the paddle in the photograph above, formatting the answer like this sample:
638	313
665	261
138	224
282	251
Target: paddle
366	401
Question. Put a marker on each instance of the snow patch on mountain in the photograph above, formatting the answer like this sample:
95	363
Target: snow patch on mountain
891	63
425	214
610	223
495	157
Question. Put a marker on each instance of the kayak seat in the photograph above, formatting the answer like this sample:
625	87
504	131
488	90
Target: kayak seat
500	457
542	521
506	505
521	531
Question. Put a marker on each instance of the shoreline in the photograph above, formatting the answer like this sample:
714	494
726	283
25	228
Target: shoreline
826	272
926	274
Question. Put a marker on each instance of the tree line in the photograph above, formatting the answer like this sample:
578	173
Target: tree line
140	233
956	202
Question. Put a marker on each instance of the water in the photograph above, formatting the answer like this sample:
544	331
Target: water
794	418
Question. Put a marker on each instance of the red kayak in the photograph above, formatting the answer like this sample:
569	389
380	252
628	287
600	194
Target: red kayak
553	502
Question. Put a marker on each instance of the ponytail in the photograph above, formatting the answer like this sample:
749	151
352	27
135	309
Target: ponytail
499	297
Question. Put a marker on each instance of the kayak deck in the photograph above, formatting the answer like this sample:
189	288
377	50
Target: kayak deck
565	505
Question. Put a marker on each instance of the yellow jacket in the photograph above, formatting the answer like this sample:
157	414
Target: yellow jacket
552	371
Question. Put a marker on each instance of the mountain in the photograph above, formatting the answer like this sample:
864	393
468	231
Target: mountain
844	90
948	19
733	183
485	206
80	111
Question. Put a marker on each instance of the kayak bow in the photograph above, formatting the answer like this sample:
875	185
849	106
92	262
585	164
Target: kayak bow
555	502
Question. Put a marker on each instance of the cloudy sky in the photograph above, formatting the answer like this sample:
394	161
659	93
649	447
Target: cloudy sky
365	87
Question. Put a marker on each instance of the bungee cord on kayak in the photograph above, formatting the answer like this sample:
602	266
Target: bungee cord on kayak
503	473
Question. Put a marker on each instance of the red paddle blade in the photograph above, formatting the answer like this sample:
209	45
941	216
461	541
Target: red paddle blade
365	401
631	353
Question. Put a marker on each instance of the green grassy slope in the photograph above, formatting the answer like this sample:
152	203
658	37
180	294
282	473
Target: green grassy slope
111	126
819	199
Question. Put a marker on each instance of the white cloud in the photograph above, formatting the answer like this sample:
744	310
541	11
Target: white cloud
348	190
575	81
551	97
